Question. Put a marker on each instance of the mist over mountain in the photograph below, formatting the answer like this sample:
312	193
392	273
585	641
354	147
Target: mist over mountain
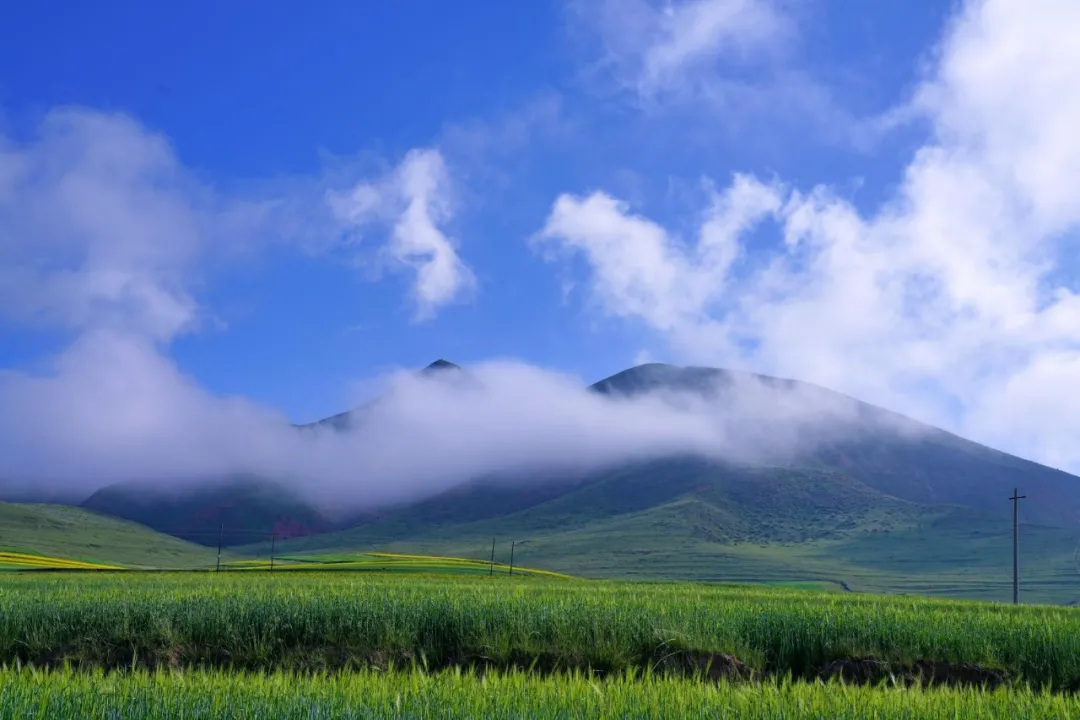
345	420
233	510
461	446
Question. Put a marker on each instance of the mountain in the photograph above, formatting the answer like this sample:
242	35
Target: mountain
888	452
885	504
870	500
241	509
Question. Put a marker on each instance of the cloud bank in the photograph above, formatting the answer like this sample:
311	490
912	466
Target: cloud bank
113	409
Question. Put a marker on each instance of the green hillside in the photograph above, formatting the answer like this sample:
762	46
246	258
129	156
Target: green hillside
948	552
239	509
884	450
75	533
744	504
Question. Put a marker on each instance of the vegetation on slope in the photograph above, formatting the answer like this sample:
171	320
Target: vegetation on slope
76	534
893	454
240	510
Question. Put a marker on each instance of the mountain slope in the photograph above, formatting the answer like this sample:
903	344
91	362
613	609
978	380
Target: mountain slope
889	452
748	504
241	509
883	458
71	532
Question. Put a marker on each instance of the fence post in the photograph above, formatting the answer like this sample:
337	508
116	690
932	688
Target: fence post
512	544
221	530
491	566
273	544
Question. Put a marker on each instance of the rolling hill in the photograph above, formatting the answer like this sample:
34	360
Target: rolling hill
79	534
239	510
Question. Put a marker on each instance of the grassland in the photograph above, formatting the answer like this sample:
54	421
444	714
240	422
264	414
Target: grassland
341	620
950	555
80	535
957	554
412	694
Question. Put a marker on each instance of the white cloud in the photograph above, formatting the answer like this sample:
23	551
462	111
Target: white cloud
413	200
99	226
697	33
954	300
640	270
674	47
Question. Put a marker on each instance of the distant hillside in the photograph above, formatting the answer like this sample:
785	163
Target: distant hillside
741	504
242	509
71	532
893	454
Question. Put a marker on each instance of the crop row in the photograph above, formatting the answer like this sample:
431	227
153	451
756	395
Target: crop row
462	695
339	620
29	560
386	561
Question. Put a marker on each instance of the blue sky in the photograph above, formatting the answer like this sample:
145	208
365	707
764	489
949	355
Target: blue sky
566	159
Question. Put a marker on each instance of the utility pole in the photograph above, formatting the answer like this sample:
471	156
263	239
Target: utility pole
221	530
273	543
491	566
1016	497
512	544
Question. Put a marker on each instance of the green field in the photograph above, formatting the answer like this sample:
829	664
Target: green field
409	694
386	563
345	620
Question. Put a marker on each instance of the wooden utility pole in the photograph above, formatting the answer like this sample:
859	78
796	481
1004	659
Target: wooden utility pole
491	566
1016	498
273	543
512	543
221	530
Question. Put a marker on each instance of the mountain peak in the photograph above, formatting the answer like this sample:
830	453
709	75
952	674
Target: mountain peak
654	376
439	366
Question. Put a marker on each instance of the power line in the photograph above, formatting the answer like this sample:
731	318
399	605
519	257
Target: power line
1016	498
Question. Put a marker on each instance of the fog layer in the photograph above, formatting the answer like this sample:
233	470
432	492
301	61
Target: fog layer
113	409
